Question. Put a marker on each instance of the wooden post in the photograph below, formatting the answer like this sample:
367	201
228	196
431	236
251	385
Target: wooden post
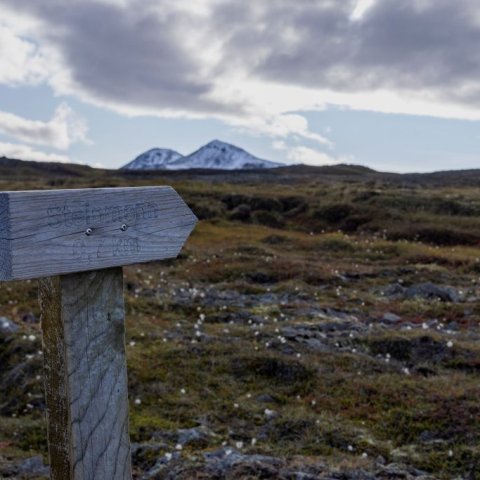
86	375
49	234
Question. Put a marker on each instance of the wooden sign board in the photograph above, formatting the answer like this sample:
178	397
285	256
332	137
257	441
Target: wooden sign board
79	240
44	233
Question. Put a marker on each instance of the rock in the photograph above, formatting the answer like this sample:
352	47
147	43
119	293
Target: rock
33	467
430	291
394	291
308	335
227	463
394	470
7	327
296	475
162	467
265	398
427	291
199	436
390	318
230	461
453	325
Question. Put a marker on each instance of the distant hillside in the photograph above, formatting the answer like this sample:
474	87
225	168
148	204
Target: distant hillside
19	174
13	168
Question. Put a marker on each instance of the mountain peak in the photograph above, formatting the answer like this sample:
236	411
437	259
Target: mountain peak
219	144
214	155
154	159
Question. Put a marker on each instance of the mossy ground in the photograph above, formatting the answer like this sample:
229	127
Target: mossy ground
208	339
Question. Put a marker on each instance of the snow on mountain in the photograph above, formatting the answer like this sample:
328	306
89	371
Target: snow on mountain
215	155
154	159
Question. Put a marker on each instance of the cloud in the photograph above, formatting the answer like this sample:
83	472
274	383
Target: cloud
64	129
307	155
310	156
361	9
422	49
280	125
21	62
254	65
24	152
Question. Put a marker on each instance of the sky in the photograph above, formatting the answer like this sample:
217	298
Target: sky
393	85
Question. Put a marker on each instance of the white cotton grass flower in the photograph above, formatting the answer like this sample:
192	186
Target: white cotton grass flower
168	456
178	446
269	413
449	344
137	401
239	445
183	391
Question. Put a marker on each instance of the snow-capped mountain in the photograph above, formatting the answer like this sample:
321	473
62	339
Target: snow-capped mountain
215	155
154	159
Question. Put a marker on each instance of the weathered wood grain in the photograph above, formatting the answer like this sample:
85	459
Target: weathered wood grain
46	233
5	257
85	375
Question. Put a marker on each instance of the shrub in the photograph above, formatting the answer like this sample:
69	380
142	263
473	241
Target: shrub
269	219
203	212
334	213
241	212
335	245
440	236
255	203
294	205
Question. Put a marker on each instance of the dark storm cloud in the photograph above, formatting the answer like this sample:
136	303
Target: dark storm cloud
137	54
400	45
131	55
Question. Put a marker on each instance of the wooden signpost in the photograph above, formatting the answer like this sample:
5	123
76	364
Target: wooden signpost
76	242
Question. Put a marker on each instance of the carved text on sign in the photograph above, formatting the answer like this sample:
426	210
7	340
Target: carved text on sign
106	247
83	214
